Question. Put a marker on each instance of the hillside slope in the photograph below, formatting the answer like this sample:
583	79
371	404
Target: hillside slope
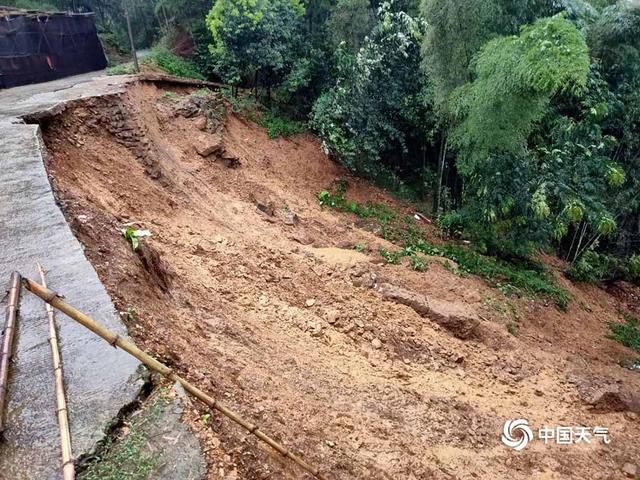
329	348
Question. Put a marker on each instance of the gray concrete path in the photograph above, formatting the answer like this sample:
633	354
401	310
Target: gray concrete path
100	380
19	102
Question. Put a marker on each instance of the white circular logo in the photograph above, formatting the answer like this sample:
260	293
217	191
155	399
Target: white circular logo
516	434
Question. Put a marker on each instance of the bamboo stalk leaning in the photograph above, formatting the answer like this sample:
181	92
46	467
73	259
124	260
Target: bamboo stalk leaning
115	340
68	467
7	341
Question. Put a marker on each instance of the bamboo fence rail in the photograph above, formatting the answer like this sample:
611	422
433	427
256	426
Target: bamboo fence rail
115	340
7	341
68	467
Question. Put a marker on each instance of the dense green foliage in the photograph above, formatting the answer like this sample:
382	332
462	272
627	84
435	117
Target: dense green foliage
379	111
255	39
349	23
517	122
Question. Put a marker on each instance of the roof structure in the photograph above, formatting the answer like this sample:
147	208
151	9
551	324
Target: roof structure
42	46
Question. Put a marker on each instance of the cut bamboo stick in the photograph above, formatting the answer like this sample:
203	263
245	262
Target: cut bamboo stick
115	340
68	467
7	341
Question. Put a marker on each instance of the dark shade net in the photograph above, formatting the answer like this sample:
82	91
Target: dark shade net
41	47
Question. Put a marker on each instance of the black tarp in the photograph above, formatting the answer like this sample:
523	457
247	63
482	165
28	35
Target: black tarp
38	47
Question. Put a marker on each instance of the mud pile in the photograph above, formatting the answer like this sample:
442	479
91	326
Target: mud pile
372	371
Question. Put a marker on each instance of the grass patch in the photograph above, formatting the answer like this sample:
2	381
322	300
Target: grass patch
627	333
278	126
521	279
122	69
127	457
173	64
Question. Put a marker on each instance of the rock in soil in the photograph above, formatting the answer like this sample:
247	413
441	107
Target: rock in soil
210	145
447	315
630	470
607	395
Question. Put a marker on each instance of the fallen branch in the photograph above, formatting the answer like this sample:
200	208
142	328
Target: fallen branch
7	341
68	468
117	341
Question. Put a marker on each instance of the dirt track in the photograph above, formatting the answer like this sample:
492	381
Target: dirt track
279	321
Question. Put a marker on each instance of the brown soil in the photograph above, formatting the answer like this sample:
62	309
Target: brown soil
278	319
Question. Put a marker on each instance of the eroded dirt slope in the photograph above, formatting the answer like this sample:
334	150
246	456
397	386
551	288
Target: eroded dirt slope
283	320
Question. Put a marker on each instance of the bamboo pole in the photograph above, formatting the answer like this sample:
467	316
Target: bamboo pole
115	340
7	341
68	468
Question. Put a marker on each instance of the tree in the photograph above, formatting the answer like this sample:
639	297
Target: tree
255	41
379	111
456	31
350	22
495	114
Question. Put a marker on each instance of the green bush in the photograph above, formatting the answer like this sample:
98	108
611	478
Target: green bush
452	222
595	267
173	64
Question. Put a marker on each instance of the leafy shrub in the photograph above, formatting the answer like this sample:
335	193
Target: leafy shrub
256	39
391	257
243	104
379	106
595	267
174	65
451	222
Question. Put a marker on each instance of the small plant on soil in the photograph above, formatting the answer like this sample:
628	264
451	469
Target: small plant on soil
130	314
417	263
133	236
391	257
171	96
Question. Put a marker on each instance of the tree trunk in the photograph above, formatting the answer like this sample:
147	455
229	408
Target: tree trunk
438	192
255	85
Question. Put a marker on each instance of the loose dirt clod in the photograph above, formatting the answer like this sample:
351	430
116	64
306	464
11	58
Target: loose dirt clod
154	265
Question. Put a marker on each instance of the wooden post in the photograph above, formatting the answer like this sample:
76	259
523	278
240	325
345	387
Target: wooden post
7	341
134	54
68	468
117	341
